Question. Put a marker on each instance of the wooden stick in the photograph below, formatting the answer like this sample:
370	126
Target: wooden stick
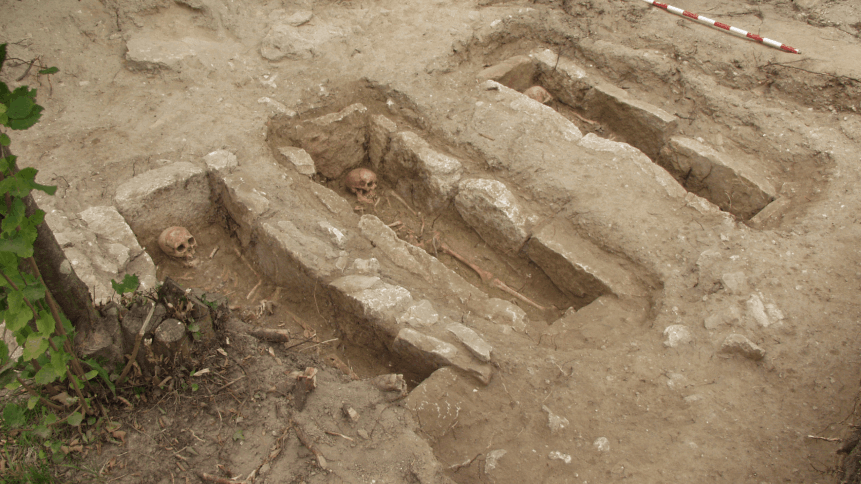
137	347
214	479
303	437
276	335
339	435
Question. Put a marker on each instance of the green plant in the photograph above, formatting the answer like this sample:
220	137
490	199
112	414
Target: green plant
47	369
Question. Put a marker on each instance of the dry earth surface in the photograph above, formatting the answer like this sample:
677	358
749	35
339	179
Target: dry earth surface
578	397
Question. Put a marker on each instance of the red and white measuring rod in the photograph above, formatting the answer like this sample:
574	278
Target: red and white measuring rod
685	13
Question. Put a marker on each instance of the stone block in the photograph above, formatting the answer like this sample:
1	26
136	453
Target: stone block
380	132
147	52
420	173
638	123
473	342
427	353
285	41
176	194
734	282
578	267
740	345
772	214
563	77
244	201
299	159
374	299
220	161
732	185
283	248
419	314
506	313
516	73
336	142
109	251
490	208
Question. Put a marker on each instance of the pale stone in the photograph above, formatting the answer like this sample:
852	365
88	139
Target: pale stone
641	124
380	132
555	422
492	459
734	282
602	444
490	208
473	342
299	158
728	183
220	160
419	314
430	177
515	72
738	344
336	142
677	334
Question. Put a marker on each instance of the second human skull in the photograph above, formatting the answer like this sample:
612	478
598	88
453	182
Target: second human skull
361	181
177	242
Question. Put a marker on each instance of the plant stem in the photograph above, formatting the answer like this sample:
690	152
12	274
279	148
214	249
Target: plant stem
33	392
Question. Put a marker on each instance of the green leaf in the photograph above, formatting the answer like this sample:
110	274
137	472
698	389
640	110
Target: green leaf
4	138
45	323
36	345
25	123
42	431
51	418
32	401
104	373
4	120
15	216
13	415
130	284
18	246
75	419
20	106
45	375
90	375
4	352
50	70
18	314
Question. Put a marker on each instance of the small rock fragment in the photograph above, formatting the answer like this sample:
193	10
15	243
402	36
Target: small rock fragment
556	455
555	422
350	413
363	434
602	444
391	383
493	459
740	345
473	342
677	334
734	282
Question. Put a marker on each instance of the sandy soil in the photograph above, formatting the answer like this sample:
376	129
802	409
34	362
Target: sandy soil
671	415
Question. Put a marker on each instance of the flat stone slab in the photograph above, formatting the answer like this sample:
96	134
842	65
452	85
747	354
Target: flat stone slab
380	132
336	141
472	340
578	267
516	72
564	78
176	194
432	353
421	172
490	208
639	123
298	159
740	345
728	183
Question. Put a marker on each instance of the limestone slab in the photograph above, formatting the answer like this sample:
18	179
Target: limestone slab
490	208
731	184
176	194
336	141
516	73
422	173
639	123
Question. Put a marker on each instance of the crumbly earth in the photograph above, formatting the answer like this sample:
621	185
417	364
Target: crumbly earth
635	408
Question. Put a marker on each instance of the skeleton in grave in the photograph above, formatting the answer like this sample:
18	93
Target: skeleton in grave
362	182
177	242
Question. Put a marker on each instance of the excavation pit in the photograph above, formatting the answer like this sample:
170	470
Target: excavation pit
737	185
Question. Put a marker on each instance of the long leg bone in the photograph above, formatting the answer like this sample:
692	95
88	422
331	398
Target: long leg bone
486	277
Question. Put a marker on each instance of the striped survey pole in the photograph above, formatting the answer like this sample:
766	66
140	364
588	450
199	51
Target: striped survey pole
685	13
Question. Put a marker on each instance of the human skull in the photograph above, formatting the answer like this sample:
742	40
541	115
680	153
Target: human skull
177	242
361	181
539	94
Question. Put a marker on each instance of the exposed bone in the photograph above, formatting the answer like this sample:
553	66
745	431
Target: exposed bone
177	242
486	277
337	363
275	335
